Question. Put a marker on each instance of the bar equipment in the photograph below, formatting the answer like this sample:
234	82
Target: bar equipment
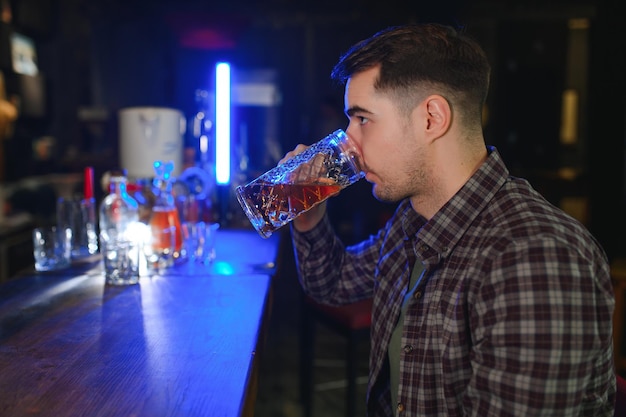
149	134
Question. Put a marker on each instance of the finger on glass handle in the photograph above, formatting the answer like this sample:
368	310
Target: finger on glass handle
311	171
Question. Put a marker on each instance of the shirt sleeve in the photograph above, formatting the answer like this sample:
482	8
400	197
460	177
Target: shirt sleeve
329	271
542	333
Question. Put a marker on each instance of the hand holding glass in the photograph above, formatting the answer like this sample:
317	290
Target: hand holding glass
300	183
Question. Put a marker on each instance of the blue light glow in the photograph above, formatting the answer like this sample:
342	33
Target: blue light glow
224	268
222	123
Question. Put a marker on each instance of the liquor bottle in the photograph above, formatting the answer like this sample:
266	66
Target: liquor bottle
164	212
118	210
120	236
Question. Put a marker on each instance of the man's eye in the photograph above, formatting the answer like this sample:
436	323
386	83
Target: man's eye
362	120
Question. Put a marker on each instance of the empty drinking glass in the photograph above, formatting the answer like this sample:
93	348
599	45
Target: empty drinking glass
52	248
199	241
159	246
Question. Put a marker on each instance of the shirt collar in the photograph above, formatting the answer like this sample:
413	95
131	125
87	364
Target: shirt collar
435	239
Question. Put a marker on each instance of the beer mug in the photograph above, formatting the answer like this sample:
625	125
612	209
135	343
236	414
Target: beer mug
300	183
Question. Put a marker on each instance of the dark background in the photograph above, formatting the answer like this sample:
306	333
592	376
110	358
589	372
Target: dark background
98	56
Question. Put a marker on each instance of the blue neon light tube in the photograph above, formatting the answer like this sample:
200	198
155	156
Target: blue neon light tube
222	123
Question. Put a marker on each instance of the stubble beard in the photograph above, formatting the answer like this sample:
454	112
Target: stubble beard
392	193
386	195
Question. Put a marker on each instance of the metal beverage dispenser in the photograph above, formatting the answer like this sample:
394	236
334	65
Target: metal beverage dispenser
149	134
146	135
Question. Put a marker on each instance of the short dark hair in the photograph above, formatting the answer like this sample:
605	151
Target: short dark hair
423	58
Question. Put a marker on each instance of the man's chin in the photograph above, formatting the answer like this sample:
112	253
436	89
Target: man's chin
383	197
380	196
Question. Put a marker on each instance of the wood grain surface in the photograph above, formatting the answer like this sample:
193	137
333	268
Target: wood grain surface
179	344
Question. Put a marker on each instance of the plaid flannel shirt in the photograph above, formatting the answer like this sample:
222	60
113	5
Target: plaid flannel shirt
513	316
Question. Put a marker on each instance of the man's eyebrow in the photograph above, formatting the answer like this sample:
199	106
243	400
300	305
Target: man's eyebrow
356	109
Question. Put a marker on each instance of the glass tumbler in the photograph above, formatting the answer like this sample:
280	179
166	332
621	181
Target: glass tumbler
52	248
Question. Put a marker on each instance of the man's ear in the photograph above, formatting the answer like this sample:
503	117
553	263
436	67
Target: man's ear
438	116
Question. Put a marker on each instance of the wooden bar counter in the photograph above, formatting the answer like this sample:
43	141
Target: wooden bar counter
179	344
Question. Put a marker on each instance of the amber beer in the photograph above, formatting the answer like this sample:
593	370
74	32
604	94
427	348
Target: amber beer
280	203
302	182
302	197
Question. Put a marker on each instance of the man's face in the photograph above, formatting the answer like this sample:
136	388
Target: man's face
390	150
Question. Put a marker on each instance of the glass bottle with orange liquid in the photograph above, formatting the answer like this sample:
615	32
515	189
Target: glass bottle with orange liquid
164	213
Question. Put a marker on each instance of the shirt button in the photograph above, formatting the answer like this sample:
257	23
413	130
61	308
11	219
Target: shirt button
400	408
417	295
408	349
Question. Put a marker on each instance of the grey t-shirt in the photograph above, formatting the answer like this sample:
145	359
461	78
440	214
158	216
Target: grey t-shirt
395	344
